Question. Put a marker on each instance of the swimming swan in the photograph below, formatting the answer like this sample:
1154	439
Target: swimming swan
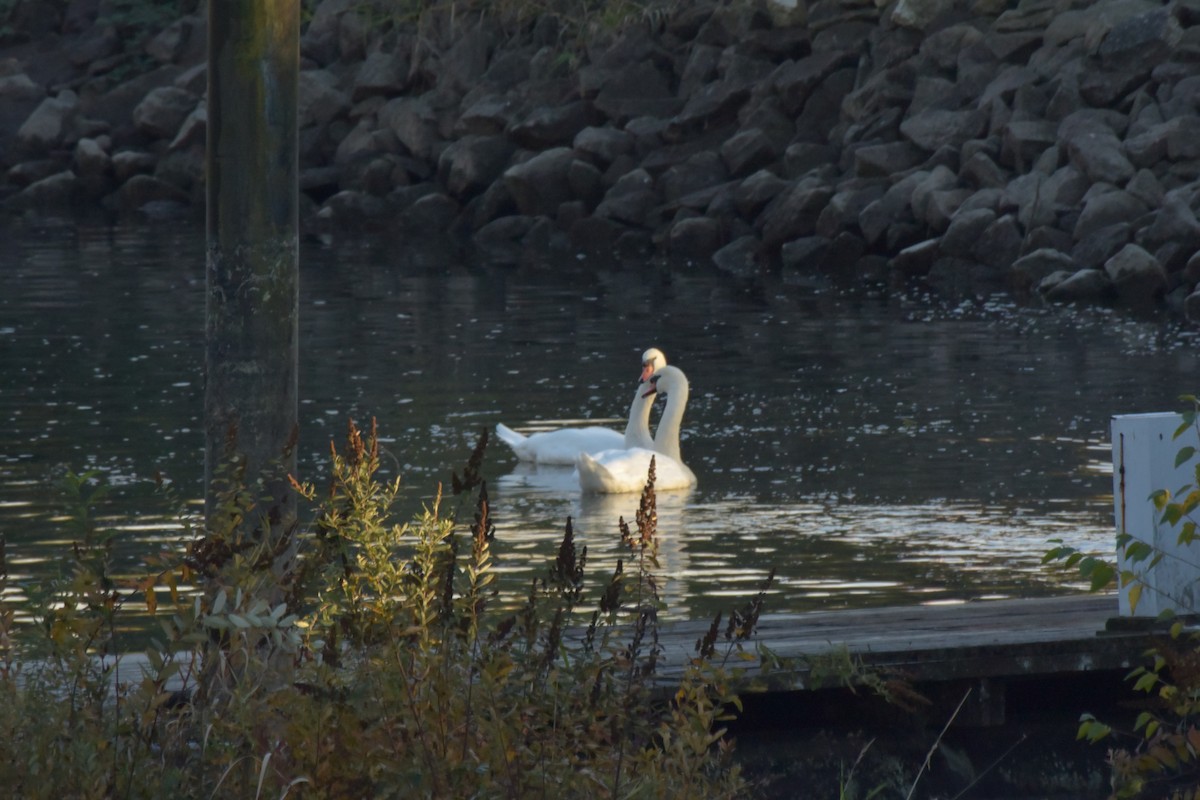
624	470
562	446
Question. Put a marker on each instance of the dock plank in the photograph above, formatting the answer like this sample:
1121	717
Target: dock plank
988	638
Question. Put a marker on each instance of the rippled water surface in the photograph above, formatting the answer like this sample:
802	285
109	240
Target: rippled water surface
873	450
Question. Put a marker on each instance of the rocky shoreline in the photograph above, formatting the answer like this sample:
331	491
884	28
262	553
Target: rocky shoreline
1043	148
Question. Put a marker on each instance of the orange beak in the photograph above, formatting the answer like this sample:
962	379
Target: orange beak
647	371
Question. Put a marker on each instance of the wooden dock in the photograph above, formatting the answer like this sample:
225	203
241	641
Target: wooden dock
989	645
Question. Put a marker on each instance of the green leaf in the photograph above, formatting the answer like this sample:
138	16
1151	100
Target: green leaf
1135	594
1146	682
1184	455
1102	575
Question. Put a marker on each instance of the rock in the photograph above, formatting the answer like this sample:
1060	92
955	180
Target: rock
1139	43
754	193
193	131
93	166
965	231
800	158
431	214
128	163
999	245
1146	187
319	100
694	238
381	73
1106	208
1088	286
796	81
1023	141
877	218
1031	269
919	13
916	260
881	160
982	172
540	184
1100	156
1101	244
631	200
793	213
29	172
1175	223
1138	279
550	127
595	234
603	145
469	165
739	258
163	110
363	143
804	255
53	193
487	115
638	90
746	151
1192	307
50	122
142	190
697	172
20	87
414	121
934	128
587	183
714	104
846	206
171	43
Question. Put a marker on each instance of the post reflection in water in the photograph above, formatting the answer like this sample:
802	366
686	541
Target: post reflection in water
872	449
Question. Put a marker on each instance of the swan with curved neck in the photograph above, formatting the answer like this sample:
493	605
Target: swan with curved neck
616	471
562	446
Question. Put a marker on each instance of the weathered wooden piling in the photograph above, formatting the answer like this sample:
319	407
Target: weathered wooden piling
252	340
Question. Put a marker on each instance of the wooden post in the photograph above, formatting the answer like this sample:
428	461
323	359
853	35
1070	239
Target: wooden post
1144	462
252	340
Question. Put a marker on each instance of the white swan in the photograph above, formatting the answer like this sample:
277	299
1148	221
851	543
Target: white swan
614	471
562	446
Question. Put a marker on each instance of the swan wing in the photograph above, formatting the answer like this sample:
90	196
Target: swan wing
560	446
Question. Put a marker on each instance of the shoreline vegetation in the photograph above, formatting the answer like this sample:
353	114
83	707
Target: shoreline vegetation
361	657
1042	148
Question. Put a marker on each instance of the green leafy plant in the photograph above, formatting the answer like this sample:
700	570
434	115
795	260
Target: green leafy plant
1162	758
364	657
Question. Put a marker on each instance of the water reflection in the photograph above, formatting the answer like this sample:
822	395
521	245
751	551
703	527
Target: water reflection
872	449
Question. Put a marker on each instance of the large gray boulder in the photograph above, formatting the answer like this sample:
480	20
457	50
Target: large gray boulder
1138	279
469	165
163	110
50	123
541	183
631	200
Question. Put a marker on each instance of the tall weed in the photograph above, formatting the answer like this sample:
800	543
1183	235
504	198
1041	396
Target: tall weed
362	656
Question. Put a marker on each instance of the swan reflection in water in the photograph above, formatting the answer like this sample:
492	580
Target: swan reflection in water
542	497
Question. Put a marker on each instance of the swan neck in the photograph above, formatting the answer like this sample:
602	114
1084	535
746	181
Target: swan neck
637	429
666	439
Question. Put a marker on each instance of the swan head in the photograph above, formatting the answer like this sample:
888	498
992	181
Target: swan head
652	361
668	379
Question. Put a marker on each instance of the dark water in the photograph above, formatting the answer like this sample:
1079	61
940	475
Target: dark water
873	450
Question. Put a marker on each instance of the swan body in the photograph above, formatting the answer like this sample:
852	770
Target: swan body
562	446
624	470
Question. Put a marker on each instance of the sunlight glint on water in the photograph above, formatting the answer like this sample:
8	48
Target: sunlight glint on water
872	450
